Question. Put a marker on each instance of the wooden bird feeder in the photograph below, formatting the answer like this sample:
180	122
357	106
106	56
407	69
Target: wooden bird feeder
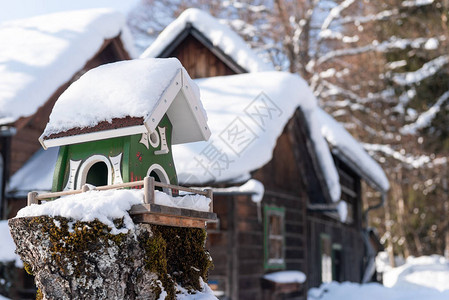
130	151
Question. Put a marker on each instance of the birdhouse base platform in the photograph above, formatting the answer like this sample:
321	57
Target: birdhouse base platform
170	216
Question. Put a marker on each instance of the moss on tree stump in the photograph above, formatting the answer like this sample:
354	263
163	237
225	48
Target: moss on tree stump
83	260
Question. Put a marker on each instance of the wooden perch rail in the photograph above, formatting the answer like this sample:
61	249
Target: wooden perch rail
148	183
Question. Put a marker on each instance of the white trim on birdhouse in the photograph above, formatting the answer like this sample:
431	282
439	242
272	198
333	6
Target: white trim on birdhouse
164	102
195	108
187	108
91	136
116	165
73	169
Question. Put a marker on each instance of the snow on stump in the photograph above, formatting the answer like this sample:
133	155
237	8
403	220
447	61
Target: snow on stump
86	246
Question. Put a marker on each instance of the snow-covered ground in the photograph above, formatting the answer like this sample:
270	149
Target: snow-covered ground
425	277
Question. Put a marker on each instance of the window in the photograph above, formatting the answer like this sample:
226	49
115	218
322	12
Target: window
274	237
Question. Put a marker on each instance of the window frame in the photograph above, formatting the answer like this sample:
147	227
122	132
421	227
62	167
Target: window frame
268	262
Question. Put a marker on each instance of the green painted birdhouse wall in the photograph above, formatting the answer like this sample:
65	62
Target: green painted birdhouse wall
117	160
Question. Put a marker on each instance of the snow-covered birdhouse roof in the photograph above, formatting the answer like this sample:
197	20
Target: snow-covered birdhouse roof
125	98
217	33
40	54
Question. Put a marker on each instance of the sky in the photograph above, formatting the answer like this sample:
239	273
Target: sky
18	9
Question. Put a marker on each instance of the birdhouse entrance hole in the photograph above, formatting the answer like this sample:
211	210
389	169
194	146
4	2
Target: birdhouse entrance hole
96	170
97	174
156	178
158	173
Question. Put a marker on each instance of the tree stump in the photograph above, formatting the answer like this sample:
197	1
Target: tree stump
84	260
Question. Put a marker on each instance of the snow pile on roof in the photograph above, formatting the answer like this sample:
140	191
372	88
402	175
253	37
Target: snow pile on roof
106	206
426	271
352	151
286	277
342	210
324	158
8	248
219	34
116	90
35	175
40	54
252	186
247	113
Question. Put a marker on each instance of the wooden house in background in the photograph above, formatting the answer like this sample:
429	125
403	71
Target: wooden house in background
276	189
73	42
297	225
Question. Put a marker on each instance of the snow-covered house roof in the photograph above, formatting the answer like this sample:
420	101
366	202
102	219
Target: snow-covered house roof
247	114
40	54
128	97
219	34
351	151
35	175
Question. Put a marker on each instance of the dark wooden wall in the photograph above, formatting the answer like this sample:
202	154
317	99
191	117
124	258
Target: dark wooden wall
198	60
221	243
237	247
345	235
